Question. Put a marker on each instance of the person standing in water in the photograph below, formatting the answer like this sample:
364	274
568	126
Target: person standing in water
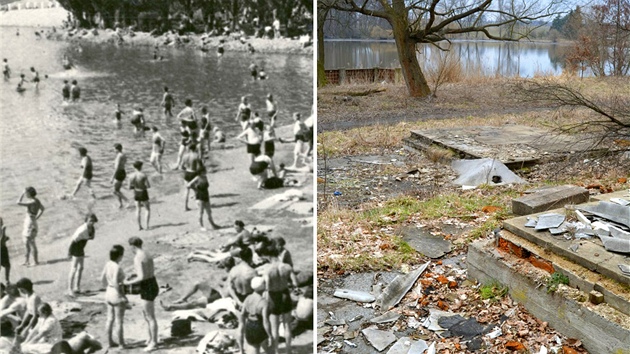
158	149
200	185
167	102
34	210
75	91
65	91
86	176
118	115
35	77
119	174
6	71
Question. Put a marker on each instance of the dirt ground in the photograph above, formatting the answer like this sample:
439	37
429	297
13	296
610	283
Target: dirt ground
369	171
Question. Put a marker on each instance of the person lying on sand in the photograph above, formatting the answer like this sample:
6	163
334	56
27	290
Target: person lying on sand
208	295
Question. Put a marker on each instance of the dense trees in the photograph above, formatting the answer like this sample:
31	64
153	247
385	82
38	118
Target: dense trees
198	15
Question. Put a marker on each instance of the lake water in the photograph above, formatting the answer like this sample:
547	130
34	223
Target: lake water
488	57
39	134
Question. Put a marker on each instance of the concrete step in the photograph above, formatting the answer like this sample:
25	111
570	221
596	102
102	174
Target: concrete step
590	254
525	266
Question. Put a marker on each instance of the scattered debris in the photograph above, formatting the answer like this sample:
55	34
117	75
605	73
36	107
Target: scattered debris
610	211
548	221
386	317
379	339
354	295
426	243
483	171
397	289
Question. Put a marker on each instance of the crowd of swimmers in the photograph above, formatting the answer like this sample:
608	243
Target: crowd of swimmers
261	283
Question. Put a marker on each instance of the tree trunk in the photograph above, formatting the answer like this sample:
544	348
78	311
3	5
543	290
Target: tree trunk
417	85
320	40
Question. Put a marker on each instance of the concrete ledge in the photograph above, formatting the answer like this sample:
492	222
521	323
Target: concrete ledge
566	315
549	198
591	254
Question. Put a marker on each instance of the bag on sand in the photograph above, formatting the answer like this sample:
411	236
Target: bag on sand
181	328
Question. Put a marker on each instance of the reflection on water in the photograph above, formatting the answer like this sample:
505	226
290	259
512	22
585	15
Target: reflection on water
487	57
39	133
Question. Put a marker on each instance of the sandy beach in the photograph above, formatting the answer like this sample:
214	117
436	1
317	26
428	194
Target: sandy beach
173	235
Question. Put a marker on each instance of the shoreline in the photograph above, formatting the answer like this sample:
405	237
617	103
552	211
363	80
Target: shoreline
174	234
46	19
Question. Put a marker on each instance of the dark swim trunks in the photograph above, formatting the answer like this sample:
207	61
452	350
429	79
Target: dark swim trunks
189	176
253	149
4	256
255	332
273	183
202	193
77	248
141	196
149	289
270	148
258	167
300	137
279	302
120	175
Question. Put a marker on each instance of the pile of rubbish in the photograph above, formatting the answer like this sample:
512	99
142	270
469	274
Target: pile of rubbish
607	221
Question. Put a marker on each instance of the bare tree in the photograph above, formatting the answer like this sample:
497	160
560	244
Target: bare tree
610	123
434	21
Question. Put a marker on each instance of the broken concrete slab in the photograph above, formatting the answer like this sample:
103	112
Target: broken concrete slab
425	243
406	345
379	339
613	244
609	211
389	316
549	221
549	198
447	322
397	289
467	329
354	295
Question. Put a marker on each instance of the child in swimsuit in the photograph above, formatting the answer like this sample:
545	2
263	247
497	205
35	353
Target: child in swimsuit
139	183
34	210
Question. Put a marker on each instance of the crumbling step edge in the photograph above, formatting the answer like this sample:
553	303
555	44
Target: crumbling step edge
569	317
615	294
421	143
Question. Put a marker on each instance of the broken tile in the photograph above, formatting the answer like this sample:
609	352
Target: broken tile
548	221
610	211
425	243
386	317
379	339
397	289
355	295
615	244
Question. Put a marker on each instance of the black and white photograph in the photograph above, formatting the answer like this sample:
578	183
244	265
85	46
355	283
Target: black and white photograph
156	179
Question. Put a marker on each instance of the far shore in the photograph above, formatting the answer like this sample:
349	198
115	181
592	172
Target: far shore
43	20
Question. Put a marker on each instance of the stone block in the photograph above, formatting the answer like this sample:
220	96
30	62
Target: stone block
595	297
549	198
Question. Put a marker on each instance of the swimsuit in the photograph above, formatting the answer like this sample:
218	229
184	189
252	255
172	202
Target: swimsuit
120	175
189	175
4	251
65	92
258	167
87	172
149	289
30	226
77	248
253	149
279	302
141	195
270	148
273	183
202	191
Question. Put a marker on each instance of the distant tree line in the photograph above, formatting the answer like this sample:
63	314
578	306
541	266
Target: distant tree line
295	16
600	35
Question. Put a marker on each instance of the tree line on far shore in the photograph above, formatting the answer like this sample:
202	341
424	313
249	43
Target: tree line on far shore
158	16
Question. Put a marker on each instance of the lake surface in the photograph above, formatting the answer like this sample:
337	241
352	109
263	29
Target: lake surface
488	57
40	134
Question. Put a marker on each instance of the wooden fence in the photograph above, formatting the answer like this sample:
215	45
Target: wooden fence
349	76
